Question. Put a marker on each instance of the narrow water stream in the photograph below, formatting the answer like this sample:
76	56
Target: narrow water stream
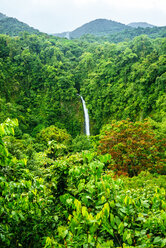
86	116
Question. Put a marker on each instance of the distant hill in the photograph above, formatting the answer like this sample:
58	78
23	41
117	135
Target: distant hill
103	29
140	24
12	26
99	30
97	27
2	16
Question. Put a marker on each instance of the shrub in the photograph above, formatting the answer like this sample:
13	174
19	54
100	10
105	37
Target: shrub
53	133
81	143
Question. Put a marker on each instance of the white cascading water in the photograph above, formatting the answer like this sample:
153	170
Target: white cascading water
67	35
87	126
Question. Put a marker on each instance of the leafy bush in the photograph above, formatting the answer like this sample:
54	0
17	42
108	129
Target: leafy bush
145	179
75	203
6	128
26	202
54	141
99	211
53	133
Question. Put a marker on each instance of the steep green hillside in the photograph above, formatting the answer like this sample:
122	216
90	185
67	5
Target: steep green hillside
125	80
11	26
41	76
37	82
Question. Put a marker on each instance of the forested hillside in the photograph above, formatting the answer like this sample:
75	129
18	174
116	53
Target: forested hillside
128	80
41	76
12	26
102	30
59	188
127	34
98	27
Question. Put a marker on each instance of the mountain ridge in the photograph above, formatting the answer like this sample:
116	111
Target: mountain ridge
98	26
101	27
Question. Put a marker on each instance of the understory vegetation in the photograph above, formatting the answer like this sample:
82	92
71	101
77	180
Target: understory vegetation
60	188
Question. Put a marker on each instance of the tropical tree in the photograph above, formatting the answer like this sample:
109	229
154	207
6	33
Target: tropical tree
133	147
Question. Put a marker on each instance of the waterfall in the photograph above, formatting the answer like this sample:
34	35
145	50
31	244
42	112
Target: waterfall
87	126
67	35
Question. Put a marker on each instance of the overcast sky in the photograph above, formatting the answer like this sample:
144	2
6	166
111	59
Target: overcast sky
53	16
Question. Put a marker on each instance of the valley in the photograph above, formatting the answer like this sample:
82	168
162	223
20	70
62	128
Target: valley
63	184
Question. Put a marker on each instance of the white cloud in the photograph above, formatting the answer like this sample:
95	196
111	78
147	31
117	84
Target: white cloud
143	4
84	2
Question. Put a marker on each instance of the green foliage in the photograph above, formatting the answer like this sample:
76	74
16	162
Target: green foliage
41	75
54	195
25	199
133	147
53	133
11	26
37	83
103	212
75	201
56	141
20	148
6	128
126	35
127	82
81	143
144	179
